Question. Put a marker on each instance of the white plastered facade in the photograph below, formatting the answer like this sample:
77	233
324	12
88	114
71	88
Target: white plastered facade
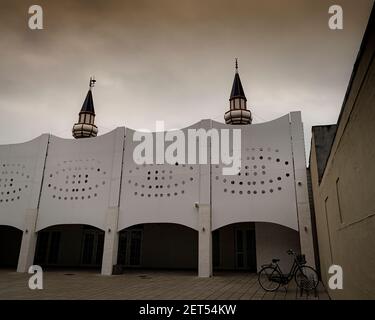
96	182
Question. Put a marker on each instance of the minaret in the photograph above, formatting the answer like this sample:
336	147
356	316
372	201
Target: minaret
85	128
238	113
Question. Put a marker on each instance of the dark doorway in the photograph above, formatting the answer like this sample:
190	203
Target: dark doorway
129	251
47	247
70	246
234	248
10	245
92	247
245	249
158	246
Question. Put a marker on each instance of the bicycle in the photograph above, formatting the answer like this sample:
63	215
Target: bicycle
271	277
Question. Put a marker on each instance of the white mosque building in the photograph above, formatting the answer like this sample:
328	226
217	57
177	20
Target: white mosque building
84	202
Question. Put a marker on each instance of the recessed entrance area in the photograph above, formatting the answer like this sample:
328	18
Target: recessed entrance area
70	246
10	244
234	247
246	246
158	246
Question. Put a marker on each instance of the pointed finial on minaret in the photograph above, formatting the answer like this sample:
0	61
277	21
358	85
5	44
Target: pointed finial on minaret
92	82
85	127
238	112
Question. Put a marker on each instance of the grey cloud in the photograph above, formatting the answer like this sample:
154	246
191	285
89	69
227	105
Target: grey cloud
173	61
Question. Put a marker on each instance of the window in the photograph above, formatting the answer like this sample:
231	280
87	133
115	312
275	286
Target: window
338	200
328	230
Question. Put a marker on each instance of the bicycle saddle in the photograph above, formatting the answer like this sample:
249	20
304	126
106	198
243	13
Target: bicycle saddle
275	260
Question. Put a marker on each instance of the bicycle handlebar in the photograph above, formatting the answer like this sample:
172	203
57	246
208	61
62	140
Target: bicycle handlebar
291	252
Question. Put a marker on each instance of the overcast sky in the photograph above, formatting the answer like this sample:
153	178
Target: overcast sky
172	60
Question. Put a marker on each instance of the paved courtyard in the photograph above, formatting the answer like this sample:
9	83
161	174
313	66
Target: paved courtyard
162	285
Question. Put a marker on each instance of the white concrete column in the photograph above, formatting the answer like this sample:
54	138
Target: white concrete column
29	237
204	213
110	241
111	235
205	241
28	244
300	179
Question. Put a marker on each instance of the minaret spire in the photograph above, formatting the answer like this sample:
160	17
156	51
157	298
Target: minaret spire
238	112
85	128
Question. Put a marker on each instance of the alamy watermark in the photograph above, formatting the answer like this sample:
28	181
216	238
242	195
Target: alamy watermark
36	19
213	146
336	20
36	280
336	280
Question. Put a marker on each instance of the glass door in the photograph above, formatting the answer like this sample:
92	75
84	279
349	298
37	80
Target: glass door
92	248
245	249
47	248
130	245
240	252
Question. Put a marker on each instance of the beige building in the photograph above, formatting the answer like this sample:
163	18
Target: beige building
342	164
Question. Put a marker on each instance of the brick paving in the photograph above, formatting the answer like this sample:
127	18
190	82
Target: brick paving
161	285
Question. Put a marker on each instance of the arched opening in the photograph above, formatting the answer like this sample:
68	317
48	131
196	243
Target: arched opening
10	245
246	246
234	247
158	246
70	246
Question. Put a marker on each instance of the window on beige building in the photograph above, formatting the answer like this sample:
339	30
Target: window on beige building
338	200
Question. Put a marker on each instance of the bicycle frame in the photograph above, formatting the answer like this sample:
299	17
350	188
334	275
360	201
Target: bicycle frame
287	277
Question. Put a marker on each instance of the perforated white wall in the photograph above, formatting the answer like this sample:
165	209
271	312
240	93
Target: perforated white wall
80	180
96	182
158	192
21	168
263	190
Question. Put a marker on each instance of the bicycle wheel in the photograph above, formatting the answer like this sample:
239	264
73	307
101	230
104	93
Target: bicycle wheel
269	278
306	278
